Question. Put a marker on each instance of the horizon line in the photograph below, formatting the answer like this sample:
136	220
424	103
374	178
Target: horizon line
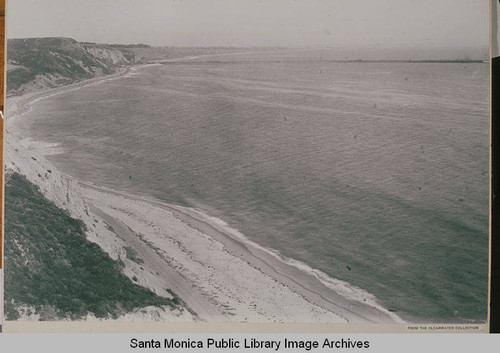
278	46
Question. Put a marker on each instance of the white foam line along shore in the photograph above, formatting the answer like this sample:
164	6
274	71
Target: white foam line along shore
219	273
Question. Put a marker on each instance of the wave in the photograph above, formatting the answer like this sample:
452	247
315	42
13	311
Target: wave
45	148
342	288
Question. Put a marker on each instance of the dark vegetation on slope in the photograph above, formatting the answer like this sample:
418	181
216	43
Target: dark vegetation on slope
52	267
60	61
39	63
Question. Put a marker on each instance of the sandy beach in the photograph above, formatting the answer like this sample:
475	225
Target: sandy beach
219	274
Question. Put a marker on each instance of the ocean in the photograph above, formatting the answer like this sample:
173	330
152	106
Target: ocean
375	173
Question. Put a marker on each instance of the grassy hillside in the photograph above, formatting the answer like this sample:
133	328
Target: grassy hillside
51	266
50	62
38	63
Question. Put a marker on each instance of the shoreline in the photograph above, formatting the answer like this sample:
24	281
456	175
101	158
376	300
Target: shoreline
307	285
289	292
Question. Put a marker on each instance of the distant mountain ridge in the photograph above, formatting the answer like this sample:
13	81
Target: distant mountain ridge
37	63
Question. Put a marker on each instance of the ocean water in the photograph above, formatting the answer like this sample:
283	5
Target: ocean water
373	173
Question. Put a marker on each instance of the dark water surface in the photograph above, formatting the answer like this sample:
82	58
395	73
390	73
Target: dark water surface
374	173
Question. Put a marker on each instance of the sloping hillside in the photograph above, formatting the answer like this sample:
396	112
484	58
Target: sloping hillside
36	63
53	271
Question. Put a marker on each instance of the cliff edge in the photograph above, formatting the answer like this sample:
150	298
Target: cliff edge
38	63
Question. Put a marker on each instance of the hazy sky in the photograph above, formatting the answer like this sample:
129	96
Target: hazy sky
386	23
495	35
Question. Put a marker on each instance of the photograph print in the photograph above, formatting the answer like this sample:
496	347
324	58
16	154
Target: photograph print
246	161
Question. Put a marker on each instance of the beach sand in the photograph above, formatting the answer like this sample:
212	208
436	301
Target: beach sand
219	274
